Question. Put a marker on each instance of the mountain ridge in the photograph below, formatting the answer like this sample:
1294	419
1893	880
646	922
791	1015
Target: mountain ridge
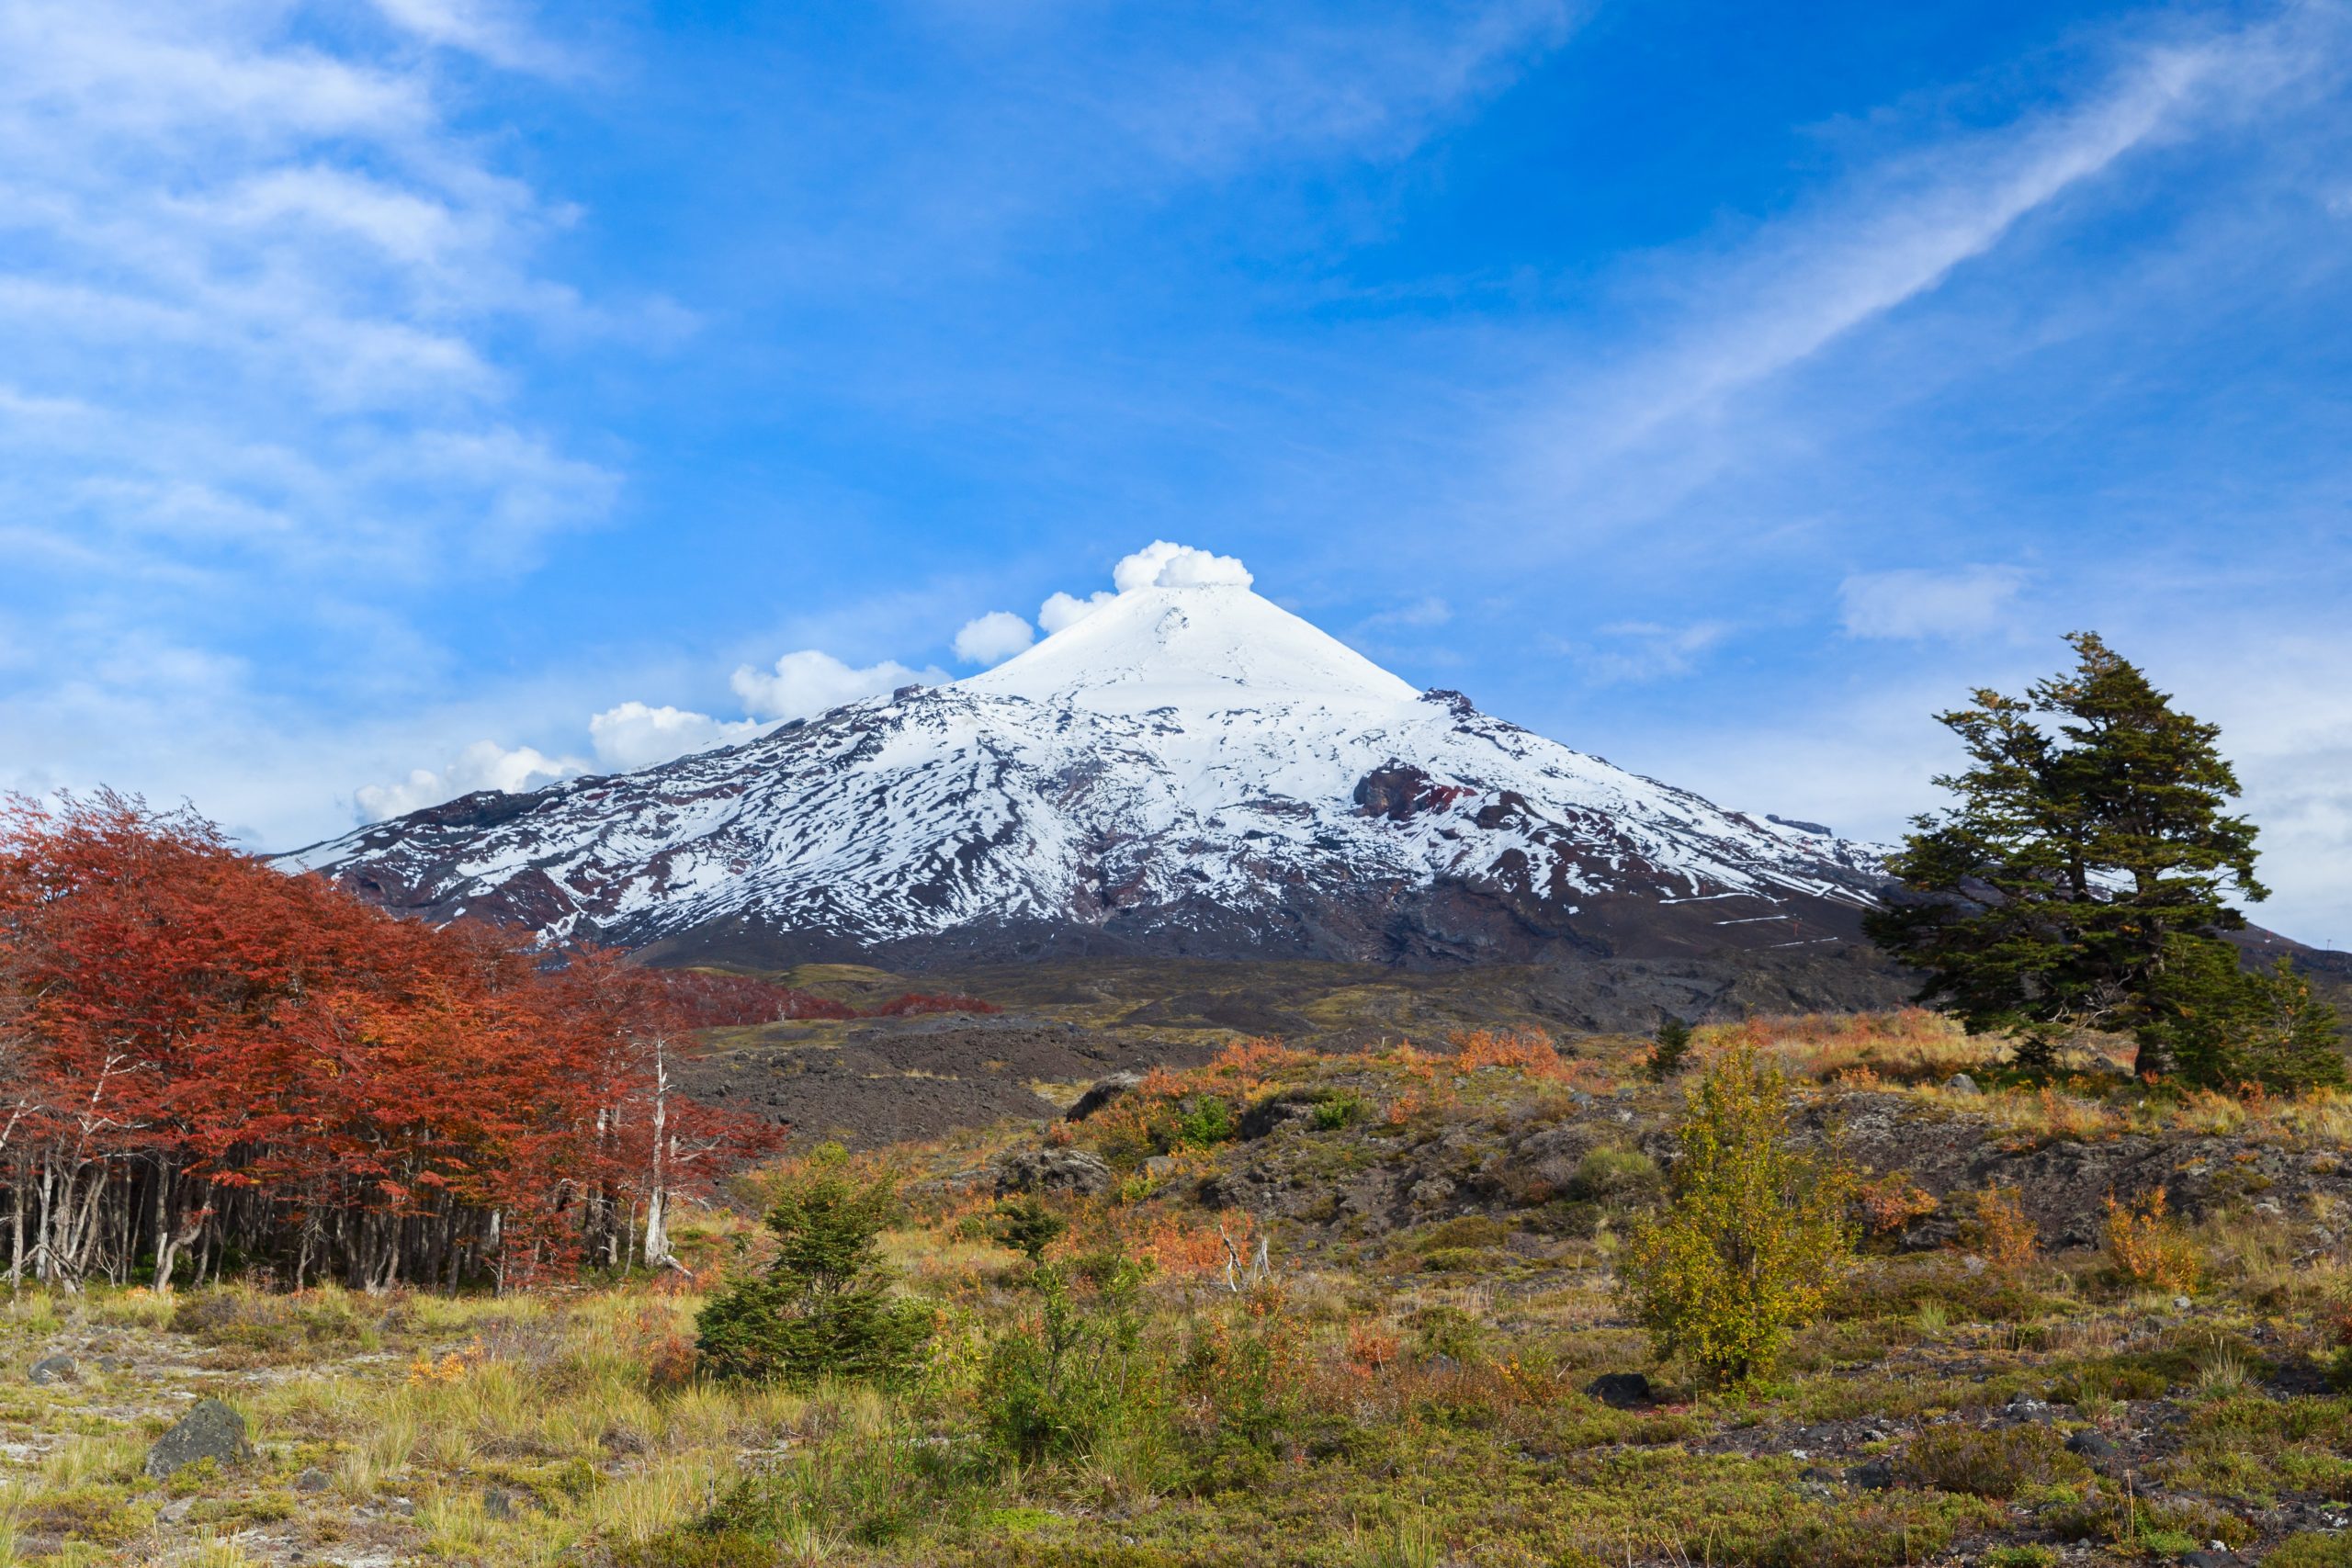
1188	771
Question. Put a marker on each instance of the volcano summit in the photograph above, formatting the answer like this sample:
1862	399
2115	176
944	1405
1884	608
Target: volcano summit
1186	770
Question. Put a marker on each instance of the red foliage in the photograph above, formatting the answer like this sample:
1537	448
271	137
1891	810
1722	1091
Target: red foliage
708	999
917	1001
200	1054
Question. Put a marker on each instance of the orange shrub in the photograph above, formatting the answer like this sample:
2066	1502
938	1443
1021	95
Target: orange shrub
1892	1201
1404	1108
1372	1347
2145	1243
1529	1052
2001	1232
1249	1061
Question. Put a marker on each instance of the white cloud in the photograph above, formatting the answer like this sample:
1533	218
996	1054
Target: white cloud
1162	565
1918	604
1420	614
634	735
485	764
810	682
482	29
994	638
312	267
1644	650
1064	610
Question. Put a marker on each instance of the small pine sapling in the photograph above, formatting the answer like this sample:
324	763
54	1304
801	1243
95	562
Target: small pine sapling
1671	1050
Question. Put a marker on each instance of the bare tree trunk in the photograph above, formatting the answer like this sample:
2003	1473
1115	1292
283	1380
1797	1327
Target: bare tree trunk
657	1200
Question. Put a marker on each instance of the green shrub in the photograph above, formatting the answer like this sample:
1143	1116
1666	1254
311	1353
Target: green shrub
1344	1108
1988	1461
1059	1378
1613	1175
1205	1121
871	1490
1466	1230
1026	1226
1244	1365
1755	1237
696	1547
2331	1548
1449	1332
1672	1049
824	1305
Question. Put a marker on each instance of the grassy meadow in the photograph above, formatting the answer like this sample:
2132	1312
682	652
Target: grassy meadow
1406	1380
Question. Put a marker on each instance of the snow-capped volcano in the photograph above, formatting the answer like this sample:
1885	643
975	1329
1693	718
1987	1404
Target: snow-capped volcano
1186	770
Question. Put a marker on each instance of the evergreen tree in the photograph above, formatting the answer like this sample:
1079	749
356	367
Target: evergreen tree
1672	1048
824	1305
2078	883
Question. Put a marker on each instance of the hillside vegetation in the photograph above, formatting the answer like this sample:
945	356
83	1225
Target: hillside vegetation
1353	1308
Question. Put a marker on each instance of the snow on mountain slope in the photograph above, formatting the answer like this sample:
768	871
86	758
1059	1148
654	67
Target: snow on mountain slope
1186	770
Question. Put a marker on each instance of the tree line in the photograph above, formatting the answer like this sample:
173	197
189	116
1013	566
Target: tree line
208	1066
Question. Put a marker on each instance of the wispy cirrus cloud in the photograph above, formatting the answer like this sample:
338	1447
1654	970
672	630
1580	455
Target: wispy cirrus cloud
252	289
1633	430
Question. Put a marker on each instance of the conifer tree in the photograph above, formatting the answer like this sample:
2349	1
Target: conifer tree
1671	1047
2079	883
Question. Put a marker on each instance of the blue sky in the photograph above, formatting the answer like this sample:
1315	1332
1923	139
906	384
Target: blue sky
388	390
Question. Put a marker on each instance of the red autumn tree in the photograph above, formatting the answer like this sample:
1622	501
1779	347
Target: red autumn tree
200	1055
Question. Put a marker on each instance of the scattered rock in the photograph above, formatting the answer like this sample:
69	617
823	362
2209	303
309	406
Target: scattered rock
212	1431
1621	1391
1960	1083
53	1369
1051	1170
1871	1474
311	1480
2093	1445
1099	1093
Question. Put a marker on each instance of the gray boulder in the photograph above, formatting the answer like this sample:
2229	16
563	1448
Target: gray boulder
1621	1391
1099	1093
313	1480
1960	1083
1051	1170
53	1369
1871	1474
210	1431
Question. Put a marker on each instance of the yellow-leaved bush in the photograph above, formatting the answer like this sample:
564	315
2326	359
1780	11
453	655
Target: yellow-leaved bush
1754	1236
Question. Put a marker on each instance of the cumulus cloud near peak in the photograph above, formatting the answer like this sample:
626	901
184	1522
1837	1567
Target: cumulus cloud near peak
811	681
994	638
1061	610
1157	565
1164	565
801	685
636	735
485	764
